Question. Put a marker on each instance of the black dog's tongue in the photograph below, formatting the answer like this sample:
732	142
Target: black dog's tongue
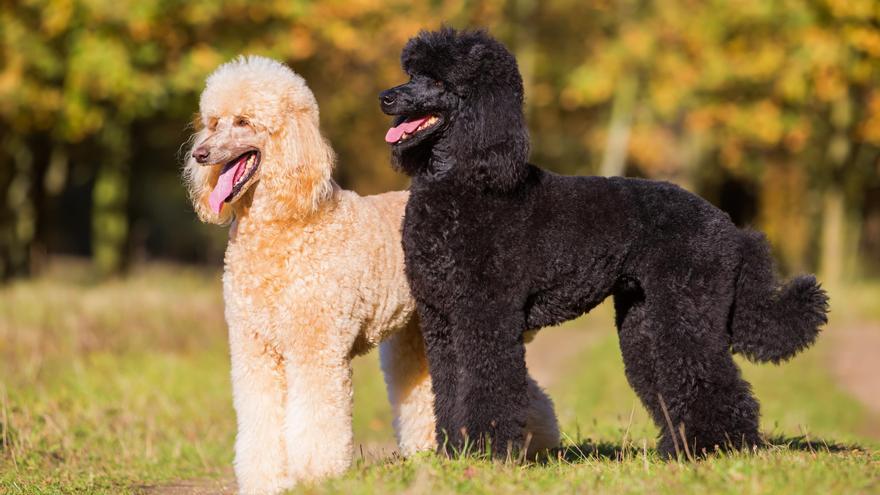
395	133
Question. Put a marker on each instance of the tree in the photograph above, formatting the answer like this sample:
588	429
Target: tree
777	95
770	91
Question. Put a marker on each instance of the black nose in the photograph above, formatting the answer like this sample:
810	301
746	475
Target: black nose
387	98
201	154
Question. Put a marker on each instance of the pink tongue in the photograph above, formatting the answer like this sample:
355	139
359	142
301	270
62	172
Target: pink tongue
395	133
224	186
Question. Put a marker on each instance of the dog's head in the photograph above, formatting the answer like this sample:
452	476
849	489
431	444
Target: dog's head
461	111
258	145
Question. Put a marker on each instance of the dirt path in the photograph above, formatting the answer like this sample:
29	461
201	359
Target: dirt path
553	351
549	356
855	362
222	486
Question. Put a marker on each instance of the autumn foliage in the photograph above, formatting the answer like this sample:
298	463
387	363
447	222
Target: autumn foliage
771	109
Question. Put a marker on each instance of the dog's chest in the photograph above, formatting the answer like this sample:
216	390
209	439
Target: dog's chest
448	241
340	277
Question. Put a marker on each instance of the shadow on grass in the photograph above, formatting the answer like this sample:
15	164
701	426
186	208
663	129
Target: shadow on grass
589	451
596	451
807	444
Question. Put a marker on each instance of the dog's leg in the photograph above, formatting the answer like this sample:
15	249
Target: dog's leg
492	390
258	396
542	429
709	405
442	365
678	362
317	423
405	366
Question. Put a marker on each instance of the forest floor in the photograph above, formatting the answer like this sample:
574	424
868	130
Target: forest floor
122	387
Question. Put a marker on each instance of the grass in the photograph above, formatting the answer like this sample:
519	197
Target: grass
118	386
111	385
817	432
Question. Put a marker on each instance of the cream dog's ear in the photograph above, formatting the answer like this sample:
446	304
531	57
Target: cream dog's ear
200	181
305	176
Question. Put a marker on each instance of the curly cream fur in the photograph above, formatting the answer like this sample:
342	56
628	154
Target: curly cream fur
313	276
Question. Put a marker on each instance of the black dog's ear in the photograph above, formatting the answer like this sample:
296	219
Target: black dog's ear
492	141
469	73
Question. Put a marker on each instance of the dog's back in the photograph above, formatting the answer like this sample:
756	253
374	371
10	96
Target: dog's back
391	205
646	231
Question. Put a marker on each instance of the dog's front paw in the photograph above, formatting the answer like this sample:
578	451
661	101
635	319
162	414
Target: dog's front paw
317	465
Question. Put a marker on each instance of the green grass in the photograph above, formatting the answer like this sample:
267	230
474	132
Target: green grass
797	398
113	387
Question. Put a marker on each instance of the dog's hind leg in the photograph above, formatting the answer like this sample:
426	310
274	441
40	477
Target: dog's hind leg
677	359
258	396
542	428
405	367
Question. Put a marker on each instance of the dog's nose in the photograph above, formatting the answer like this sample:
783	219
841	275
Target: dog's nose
387	99
201	154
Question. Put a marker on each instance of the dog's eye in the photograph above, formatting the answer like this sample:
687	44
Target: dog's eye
438	83
212	124
241	122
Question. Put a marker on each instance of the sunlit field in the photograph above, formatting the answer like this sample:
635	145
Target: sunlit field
122	387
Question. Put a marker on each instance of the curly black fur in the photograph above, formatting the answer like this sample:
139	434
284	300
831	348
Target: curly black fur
495	247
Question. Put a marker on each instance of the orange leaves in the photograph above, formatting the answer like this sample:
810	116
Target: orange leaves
656	150
791	85
639	43
761	122
829	84
301	44
56	16
587	85
797	135
864	39
754	58
853	9
869	129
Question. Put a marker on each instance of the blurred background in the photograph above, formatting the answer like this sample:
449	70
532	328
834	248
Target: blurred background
112	344
771	110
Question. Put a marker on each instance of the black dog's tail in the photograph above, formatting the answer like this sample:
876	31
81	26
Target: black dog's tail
773	321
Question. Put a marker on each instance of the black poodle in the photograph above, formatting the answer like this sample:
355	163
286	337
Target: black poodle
496	246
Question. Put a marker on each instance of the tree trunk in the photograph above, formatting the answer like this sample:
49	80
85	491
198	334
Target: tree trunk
110	202
524	11
834	217
19	231
19	226
617	144
784	215
833	221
